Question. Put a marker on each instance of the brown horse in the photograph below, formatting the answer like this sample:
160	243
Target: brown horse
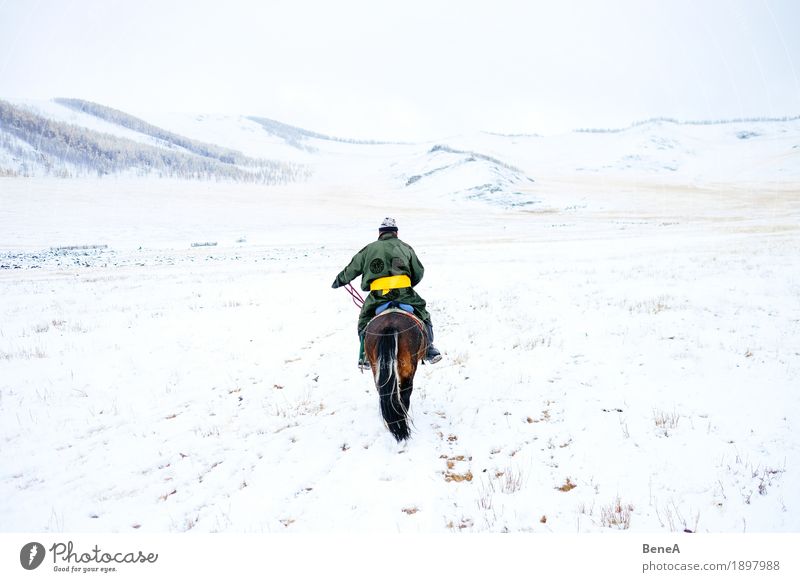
395	341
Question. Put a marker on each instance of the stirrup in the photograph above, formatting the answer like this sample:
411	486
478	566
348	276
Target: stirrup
432	356
363	365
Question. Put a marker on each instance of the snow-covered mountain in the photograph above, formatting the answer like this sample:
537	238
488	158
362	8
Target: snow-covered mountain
68	137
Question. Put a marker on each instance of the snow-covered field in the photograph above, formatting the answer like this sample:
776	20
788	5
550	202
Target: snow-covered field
622	353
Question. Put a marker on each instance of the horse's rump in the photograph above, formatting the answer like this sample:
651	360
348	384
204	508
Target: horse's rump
394	343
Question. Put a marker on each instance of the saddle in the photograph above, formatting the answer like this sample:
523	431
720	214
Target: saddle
404	309
394	305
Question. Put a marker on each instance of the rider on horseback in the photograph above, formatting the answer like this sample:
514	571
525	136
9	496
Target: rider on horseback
390	269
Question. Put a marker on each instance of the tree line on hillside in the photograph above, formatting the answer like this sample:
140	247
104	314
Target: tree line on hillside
19	159
123	119
294	136
58	148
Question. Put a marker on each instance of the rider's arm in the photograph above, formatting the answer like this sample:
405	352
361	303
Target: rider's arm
351	271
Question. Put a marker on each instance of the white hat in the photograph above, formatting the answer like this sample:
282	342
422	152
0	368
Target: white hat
388	224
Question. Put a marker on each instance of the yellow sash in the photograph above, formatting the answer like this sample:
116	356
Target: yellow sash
386	284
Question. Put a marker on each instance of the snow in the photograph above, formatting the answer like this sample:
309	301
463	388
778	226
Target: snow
633	334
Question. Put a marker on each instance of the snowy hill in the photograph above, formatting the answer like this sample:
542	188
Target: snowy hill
669	151
99	141
473	175
507	170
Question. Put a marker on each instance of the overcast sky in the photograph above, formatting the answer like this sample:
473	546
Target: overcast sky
412	68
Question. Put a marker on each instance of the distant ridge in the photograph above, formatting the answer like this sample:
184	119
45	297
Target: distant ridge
681	122
498	134
295	136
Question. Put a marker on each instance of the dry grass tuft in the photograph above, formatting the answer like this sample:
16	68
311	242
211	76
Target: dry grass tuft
24	354
666	421
451	476
510	480
652	306
567	486
616	515
168	495
465	523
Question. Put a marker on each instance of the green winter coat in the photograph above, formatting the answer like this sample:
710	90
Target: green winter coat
385	257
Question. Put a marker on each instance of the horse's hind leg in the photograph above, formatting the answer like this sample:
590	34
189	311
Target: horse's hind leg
406	387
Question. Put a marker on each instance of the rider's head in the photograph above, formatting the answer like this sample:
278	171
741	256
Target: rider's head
388	225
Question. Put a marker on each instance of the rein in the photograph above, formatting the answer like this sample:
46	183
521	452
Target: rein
358	300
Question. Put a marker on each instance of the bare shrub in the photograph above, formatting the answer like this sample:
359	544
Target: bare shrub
511	480
666	421
24	354
616	515
652	306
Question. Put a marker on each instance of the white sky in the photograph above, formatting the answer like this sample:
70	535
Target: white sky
412	68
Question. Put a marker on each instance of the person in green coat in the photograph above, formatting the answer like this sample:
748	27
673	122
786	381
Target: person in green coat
389	270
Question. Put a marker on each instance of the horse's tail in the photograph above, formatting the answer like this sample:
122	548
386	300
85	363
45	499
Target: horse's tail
394	412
